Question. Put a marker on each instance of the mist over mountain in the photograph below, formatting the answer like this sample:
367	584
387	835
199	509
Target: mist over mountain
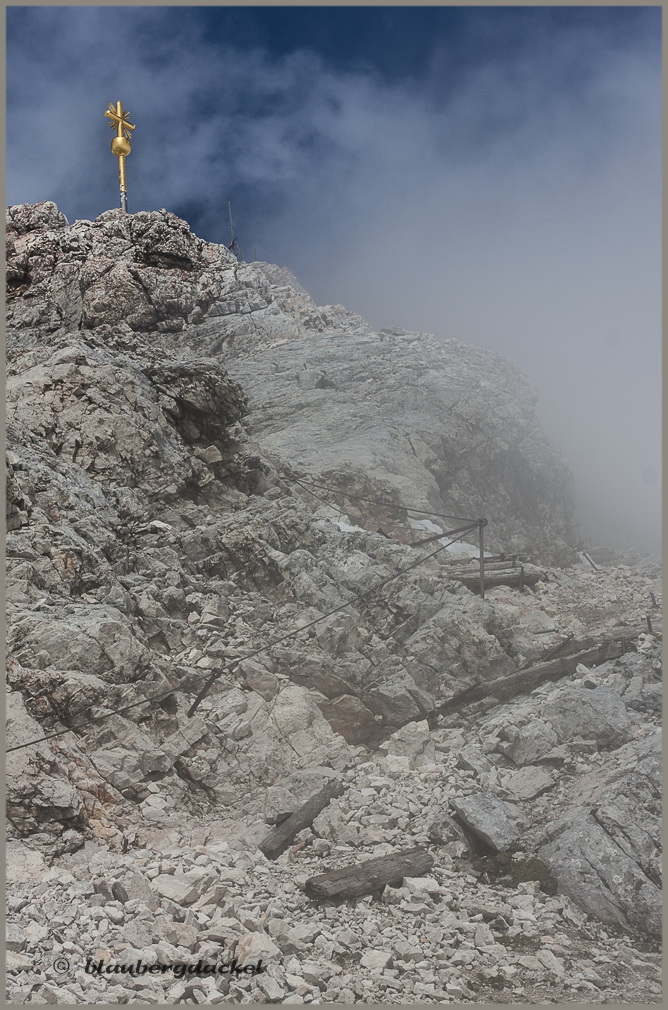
334	614
490	176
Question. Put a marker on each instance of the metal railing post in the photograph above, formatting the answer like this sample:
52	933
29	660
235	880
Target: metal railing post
481	540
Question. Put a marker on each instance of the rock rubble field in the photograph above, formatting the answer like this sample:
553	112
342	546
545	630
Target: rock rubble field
170	411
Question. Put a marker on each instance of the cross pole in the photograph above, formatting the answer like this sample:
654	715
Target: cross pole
120	145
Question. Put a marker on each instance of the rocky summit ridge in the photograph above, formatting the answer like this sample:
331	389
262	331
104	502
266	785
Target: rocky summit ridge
448	425
166	404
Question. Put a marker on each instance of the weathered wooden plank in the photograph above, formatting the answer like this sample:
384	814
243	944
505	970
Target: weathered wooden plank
500	566
628	632
590	652
278	840
504	688
505	560
511	577
370	876
640	629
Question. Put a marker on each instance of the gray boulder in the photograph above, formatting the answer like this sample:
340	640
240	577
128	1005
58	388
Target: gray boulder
600	878
529	743
183	888
492	821
394	699
529	782
606	856
412	741
597	714
444	829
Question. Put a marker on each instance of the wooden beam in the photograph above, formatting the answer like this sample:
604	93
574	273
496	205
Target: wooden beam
498	578
498	566
370	876
499	560
629	632
504	688
278	840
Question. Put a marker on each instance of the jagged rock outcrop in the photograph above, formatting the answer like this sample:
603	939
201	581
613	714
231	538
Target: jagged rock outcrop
602	853
437	423
590	788
132	466
146	271
161	397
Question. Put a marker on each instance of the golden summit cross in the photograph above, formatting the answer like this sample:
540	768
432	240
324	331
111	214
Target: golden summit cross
120	145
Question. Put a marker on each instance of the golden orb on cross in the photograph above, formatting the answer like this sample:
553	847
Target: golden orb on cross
120	147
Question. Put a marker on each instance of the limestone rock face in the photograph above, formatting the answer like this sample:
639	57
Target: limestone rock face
428	420
436	423
597	714
146	270
162	399
145	518
604	855
35	793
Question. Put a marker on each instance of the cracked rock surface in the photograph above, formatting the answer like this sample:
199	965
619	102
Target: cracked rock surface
161	396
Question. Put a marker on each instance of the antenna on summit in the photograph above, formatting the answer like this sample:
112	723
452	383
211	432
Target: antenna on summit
234	245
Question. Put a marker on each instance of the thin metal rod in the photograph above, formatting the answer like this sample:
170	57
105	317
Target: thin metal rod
122	182
552	652
291	634
384	504
445	533
481	541
205	690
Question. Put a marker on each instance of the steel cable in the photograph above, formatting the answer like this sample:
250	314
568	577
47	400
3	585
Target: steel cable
257	652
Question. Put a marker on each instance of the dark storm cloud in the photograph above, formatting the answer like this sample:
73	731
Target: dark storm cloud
503	189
